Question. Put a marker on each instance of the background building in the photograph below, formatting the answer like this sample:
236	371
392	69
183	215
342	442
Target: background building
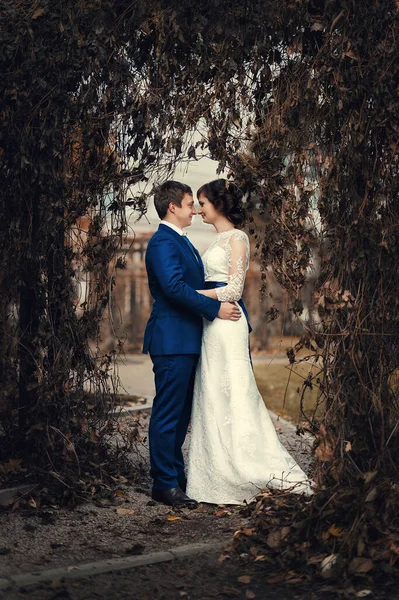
131	304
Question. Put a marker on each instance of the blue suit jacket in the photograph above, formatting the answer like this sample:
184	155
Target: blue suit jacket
174	273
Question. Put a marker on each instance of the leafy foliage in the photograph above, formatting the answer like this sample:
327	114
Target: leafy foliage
298	99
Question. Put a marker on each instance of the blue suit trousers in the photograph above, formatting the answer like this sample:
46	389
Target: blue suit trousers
170	416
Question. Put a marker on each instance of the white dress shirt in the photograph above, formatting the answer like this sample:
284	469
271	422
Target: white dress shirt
174	227
183	234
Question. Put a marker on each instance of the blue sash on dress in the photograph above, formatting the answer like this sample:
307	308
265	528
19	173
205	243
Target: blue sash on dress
211	285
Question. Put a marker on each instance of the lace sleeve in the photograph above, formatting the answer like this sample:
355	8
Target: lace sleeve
237	248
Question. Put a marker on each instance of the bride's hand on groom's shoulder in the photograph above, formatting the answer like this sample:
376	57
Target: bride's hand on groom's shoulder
229	311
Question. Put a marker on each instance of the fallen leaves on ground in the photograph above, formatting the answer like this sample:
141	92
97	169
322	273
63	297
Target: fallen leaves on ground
244	579
32	503
120	494
325	445
339	535
360	565
244	531
124	511
230	591
223	512
335	531
222	558
12	465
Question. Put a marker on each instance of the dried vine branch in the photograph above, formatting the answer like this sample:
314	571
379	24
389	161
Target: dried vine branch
298	99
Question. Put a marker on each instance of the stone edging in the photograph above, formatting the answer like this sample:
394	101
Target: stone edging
92	569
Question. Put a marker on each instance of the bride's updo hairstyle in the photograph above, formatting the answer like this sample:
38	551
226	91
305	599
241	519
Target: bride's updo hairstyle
226	197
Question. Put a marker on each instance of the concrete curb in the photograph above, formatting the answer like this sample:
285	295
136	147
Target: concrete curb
104	566
120	410
284	422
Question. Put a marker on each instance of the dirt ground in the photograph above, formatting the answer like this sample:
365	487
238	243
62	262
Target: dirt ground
203	577
130	523
195	578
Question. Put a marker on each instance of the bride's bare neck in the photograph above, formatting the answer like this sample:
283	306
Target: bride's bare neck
222	224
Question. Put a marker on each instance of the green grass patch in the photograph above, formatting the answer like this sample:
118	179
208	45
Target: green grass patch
279	387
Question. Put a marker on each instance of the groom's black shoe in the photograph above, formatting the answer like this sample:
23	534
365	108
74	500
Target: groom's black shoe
174	497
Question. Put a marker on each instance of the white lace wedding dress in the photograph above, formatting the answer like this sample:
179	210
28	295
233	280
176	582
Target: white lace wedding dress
234	450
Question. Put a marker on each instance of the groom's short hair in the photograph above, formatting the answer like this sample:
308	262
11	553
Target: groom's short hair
167	192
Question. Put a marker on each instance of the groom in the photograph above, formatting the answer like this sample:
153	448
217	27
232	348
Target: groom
173	337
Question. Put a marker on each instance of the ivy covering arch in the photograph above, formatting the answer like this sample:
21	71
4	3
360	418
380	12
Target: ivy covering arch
299	100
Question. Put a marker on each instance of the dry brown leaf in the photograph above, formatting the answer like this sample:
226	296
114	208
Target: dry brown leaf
244	579
273	539
249	594
326	445
266	493
394	549
173	518
120	494
372	495
32	503
361	545
255	550
317	558
222	558
352	55
317	26
39	12
360	565
222	513
56	584
247	532
335	531
369	476
230	591
330	566
124	511
10	466
277	579
94	437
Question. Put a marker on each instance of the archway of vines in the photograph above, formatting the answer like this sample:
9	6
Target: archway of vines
299	100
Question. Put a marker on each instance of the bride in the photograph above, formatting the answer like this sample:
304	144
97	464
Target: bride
234	450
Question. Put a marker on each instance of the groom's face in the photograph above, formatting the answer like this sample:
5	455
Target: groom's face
184	213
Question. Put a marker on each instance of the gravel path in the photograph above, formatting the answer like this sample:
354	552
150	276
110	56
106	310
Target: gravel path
128	523
135	372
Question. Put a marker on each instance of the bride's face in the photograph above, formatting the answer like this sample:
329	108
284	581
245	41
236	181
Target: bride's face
207	211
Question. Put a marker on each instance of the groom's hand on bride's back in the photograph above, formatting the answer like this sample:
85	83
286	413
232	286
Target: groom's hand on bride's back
229	311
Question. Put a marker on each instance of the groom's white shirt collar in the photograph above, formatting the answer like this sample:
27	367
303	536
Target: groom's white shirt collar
174	227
